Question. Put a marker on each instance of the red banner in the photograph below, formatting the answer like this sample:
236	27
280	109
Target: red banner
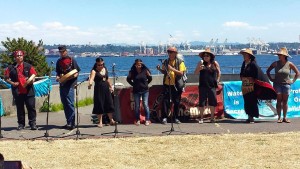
188	108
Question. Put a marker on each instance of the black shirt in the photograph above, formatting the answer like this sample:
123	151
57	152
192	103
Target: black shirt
64	70
139	81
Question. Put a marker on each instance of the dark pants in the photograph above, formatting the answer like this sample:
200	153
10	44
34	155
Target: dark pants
251	104
30	105
175	100
67	99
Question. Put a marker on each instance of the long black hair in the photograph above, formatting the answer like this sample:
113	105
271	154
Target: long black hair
99	59
133	68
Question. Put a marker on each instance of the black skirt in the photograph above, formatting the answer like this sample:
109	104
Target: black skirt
103	102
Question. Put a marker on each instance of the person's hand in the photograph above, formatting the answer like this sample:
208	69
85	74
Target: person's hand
111	89
89	86
57	79
290	82
15	84
201	67
158	67
170	68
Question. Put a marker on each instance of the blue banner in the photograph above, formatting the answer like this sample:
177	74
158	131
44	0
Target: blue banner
234	102
2	113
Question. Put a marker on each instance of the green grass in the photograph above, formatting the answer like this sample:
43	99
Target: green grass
58	107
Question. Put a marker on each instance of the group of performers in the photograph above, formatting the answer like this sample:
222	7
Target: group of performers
255	85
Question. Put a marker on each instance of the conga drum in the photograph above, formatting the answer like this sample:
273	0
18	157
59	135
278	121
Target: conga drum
67	76
29	80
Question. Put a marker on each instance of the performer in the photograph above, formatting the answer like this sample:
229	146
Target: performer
255	85
21	77
103	102
209	76
282	82
64	65
173	69
139	77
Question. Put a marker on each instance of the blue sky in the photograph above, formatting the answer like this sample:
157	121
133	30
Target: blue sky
151	21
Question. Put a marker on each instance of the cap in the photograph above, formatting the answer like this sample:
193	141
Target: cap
62	48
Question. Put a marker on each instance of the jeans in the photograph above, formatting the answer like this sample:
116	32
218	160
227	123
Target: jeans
137	97
282	88
67	99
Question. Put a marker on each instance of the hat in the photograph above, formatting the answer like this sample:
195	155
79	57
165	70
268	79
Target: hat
18	53
172	49
249	51
284	52
62	48
207	50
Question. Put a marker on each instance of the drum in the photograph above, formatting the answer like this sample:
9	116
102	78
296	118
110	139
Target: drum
29	80
67	76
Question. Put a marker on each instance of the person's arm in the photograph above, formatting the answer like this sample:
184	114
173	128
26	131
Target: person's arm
91	79
242	70
57	71
75	67
149	77
295	69
8	80
198	68
177	72
269	71
161	69
218	71
128	79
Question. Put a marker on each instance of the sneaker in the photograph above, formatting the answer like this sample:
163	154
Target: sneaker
20	127
164	121
177	121
200	121
33	127
138	122
147	123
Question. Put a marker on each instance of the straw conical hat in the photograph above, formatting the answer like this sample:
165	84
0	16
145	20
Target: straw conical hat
284	52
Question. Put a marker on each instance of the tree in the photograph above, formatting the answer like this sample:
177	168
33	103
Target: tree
34	54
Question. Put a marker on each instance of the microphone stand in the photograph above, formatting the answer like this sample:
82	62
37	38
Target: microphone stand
115	132
46	134
77	114
170	101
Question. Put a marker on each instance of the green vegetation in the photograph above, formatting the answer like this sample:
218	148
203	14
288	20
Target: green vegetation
34	54
58	107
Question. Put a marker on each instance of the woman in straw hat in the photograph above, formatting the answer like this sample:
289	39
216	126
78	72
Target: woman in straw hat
173	69
255	85
282	82
209	76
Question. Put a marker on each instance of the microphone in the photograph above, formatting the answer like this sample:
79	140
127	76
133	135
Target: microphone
52	62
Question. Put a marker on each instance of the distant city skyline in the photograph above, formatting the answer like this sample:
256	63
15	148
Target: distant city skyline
151	22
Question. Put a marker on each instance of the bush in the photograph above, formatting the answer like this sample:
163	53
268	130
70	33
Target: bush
58	107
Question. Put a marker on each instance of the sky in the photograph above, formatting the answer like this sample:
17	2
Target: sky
150	21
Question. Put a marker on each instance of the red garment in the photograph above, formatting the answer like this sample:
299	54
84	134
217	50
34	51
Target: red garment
65	63
21	77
